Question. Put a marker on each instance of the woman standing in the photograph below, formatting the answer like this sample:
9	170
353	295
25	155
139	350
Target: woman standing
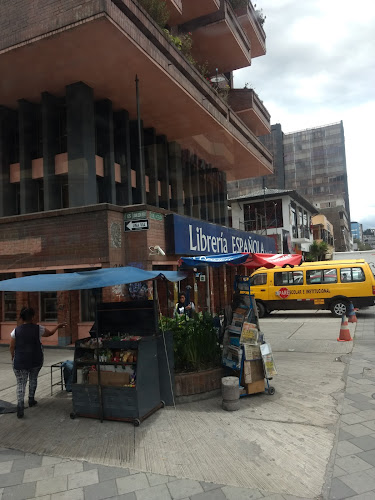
27	355
182	307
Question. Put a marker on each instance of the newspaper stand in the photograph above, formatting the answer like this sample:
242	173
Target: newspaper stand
246	303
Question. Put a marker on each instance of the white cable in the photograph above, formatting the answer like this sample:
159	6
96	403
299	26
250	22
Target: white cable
166	357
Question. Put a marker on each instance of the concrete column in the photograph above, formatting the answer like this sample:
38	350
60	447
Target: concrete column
122	157
137	162
216	196
151	166
188	194
50	131
7	190
29	193
81	145
105	141
211	194
203	190
163	170
195	186
175	176
224	201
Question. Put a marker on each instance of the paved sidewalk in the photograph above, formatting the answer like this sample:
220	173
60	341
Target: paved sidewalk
354	463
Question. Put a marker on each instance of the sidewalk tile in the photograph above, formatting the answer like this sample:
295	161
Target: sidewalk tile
340	490
358	398
337	471
65	468
7	455
19	492
159	492
80	479
352	418
184	488
357	430
51	485
107	473
156	479
370	424
37	474
132	483
30	462
364	406
235	493
367	415
209	495
363	496
352	463
54	460
365	442
275	496
76	494
344	448
360	482
127	496
368	456
210	486
6	467
11	479
101	491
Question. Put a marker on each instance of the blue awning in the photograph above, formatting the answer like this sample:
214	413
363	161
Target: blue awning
215	260
85	280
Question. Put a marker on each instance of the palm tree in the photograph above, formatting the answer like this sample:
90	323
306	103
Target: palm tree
318	250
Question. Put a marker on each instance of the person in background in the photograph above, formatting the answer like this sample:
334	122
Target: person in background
182	307
27	355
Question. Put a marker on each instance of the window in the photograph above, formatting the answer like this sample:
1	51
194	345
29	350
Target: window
10	309
88	305
330	275
314	277
351	274
48	306
289	278
258	279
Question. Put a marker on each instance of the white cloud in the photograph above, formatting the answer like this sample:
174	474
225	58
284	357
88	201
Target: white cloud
319	69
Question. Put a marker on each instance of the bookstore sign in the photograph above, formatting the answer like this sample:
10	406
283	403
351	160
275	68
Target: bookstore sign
193	237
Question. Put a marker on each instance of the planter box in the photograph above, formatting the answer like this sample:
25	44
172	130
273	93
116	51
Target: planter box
188	384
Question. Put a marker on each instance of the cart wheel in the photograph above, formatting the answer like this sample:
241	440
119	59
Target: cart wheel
271	391
73	415
137	422
162	403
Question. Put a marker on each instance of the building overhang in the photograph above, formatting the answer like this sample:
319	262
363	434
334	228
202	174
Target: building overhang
251	110
248	19
174	98
192	9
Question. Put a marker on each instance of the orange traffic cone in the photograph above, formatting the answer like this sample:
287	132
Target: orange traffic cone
344	330
352	318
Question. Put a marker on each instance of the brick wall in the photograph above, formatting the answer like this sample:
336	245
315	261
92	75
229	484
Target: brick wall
22	20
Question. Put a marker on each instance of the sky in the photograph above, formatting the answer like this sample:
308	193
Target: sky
320	69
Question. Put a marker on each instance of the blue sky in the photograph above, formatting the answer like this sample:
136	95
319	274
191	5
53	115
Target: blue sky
320	69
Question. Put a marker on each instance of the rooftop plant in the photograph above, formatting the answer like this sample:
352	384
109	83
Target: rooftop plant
157	9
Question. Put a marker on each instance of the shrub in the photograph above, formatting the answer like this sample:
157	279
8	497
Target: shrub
157	9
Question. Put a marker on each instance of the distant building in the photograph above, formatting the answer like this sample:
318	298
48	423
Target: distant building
369	237
312	162
282	214
357	231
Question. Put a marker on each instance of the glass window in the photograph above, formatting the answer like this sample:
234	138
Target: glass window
351	274
288	278
314	277
258	279
330	275
48	306
10	308
88	305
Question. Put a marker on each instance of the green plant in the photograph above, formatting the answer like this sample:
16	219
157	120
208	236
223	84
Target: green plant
195	341
183	43
318	251
157	9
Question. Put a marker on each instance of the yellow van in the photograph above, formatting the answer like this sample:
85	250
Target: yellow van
314	285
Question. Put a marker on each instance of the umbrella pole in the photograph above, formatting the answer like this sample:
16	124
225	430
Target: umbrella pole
101	411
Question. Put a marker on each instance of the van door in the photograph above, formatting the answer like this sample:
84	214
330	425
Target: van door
286	291
259	286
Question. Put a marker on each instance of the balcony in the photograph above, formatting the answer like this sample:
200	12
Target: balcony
105	44
303	235
219	41
248	106
191	9
249	20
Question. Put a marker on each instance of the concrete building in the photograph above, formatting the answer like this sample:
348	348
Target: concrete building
369	237
313	162
323	231
282	214
83	159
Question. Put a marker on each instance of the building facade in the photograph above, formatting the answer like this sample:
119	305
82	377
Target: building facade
281	214
323	231
106	113
357	231
312	162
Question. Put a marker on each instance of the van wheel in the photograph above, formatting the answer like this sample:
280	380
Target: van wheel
261	310
339	307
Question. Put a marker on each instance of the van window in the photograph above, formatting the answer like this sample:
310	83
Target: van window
288	278
318	276
350	274
258	279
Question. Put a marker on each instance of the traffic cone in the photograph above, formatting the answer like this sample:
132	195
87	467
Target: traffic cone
352	318
344	330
